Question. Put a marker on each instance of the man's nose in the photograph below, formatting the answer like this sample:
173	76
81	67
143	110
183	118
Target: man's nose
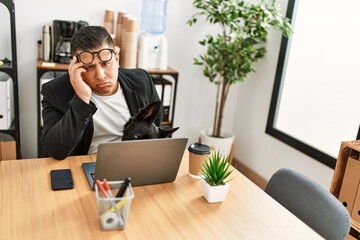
100	72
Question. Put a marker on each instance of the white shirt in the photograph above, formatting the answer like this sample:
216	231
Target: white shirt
109	119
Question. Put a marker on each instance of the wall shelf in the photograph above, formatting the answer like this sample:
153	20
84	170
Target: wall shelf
11	70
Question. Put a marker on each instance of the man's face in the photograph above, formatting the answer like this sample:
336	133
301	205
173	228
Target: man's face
101	76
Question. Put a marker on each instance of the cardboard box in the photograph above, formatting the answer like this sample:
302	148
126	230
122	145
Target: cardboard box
7	147
7	150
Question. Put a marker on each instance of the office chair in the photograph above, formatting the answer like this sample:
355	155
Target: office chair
310	202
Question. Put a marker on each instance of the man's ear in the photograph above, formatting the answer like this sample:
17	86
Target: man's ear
117	55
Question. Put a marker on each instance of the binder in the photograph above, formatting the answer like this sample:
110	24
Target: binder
167	101
350	184
355	213
159	90
6	101
164	89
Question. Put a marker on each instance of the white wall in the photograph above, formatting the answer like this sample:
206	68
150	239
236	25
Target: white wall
248	104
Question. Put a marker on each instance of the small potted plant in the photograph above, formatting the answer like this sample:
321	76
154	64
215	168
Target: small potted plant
214	177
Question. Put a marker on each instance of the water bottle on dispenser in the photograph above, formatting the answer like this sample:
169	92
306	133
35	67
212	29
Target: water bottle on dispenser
153	16
153	47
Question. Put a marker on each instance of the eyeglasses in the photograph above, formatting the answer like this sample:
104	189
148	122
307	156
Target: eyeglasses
105	55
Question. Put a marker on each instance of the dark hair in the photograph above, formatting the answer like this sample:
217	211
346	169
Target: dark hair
90	37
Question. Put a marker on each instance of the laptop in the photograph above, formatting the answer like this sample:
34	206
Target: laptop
149	161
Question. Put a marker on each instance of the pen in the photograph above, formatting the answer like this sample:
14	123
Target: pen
101	188
123	187
108	191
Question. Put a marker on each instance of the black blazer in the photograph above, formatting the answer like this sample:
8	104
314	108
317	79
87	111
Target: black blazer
68	125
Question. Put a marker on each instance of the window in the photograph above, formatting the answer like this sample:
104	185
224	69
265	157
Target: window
315	103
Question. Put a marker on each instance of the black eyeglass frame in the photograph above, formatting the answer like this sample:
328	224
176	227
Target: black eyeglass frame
78	56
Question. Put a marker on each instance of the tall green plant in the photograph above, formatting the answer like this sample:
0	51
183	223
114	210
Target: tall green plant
231	54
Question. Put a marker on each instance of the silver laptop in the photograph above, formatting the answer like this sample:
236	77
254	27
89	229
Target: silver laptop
149	161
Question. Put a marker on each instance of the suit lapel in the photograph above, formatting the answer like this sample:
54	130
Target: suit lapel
131	97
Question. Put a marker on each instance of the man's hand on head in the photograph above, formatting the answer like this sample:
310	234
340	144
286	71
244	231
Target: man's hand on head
82	90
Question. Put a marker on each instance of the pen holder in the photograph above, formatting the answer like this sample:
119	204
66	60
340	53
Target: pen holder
113	211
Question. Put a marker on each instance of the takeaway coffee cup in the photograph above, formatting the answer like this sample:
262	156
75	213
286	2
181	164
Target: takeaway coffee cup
198	153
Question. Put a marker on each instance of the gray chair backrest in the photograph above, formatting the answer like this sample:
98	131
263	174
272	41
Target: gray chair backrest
310	202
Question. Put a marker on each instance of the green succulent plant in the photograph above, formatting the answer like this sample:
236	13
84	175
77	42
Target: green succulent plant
216	169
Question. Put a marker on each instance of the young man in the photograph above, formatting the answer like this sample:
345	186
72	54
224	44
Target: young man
93	101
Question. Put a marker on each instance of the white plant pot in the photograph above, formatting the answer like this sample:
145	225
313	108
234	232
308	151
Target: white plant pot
214	194
223	144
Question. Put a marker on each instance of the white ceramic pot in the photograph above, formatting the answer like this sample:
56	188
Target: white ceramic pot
214	194
223	144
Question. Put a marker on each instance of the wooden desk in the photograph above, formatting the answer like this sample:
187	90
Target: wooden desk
29	209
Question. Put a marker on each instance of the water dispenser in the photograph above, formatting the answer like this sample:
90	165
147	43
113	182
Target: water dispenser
153	47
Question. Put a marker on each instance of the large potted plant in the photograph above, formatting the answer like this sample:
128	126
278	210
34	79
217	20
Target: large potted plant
231	53
214	177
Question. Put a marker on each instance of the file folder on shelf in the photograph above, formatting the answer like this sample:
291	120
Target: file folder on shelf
164	90
6	101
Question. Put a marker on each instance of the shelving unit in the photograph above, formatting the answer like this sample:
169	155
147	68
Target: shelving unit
346	181
160	77
11	70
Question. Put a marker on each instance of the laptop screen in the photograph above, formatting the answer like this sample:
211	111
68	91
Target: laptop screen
149	161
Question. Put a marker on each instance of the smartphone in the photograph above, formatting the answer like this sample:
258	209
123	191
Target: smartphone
61	179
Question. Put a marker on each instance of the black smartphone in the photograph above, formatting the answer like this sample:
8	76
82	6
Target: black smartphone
61	179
